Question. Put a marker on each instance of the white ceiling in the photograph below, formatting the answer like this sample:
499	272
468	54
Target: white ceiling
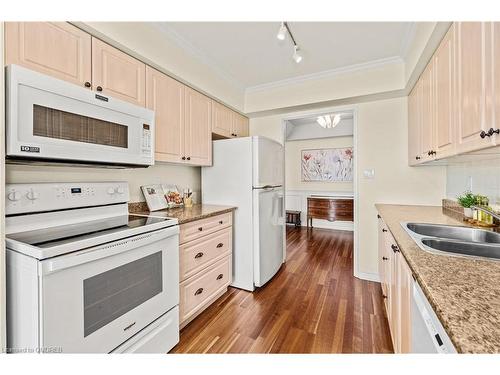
249	54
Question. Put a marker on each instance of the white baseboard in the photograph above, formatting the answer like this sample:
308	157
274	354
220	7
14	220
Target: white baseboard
367	276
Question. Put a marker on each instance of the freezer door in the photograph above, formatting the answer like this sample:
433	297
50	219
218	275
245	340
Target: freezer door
267	162
268	229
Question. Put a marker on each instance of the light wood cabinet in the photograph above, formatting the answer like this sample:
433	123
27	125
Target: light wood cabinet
197	127
414	125
427	115
396	279
165	96
444	100
222	120
205	263
117	74
453	107
240	125
57	49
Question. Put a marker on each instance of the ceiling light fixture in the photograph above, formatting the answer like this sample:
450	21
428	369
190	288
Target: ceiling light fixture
283	30
329	121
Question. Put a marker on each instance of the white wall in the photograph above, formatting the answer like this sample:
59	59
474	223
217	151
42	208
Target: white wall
160	173
293	178
481	177
381	145
148	41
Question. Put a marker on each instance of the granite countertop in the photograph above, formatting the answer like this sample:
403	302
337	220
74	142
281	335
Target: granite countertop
464	292
183	214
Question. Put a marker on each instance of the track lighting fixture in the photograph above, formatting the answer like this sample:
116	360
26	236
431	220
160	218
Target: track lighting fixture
283	30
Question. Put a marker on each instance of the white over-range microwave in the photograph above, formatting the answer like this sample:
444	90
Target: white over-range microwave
52	120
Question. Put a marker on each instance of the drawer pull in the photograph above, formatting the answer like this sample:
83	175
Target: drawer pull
199	255
198	291
200	229
384	230
220	276
219	245
385	258
394	248
221	222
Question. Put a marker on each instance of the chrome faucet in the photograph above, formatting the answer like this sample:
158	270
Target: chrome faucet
486	211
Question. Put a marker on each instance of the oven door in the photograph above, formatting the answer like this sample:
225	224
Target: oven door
51	119
94	300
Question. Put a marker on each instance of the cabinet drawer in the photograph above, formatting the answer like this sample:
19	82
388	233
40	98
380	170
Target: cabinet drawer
196	255
199	228
199	289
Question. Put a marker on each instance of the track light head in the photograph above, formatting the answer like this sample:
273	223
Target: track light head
281	32
297	57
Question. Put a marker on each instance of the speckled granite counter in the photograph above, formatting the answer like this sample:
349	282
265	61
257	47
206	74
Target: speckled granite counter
464	292
183	214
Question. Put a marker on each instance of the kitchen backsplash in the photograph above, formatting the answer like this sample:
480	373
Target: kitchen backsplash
481	177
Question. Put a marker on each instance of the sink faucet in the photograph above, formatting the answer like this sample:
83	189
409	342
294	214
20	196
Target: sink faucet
486	211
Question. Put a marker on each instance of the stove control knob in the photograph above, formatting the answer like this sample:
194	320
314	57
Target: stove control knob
120	190
111	191
14	196
32	195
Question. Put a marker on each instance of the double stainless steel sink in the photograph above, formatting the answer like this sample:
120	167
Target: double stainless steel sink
457	240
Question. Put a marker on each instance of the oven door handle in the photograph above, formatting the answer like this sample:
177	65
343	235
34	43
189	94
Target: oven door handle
103	251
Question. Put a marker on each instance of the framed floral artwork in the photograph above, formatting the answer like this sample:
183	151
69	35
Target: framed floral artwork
327	165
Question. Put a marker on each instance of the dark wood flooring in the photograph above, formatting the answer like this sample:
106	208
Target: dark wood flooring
313	305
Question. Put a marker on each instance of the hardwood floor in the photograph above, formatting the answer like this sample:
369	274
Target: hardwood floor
313	305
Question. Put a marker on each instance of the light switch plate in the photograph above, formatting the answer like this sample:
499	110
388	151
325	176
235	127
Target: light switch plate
369	173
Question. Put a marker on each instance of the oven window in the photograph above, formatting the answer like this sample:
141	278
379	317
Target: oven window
111	294
53	123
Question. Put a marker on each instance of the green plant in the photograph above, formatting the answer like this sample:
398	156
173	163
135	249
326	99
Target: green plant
467	199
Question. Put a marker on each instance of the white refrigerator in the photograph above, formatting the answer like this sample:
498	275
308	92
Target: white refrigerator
248	173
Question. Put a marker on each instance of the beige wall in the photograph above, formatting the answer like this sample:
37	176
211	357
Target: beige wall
293	178
148	41
180	175
344	84
381	145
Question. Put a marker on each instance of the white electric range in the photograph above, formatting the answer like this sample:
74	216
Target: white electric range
85	276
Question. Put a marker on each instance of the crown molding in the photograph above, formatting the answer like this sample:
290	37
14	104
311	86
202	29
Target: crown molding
197	54
326	74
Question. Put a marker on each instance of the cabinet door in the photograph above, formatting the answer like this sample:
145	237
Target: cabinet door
414	114
240	125
444	103
57	49
405	297
117	74
427	120
471	91
198	128
165	96
222	118
492	80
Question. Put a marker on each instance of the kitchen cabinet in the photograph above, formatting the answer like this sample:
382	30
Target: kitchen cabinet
165	96
222	120
471	58
492	81
117	74
444	99
240	125
205	257
227	123
414	125
427	115
57	49
396	280
197	127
